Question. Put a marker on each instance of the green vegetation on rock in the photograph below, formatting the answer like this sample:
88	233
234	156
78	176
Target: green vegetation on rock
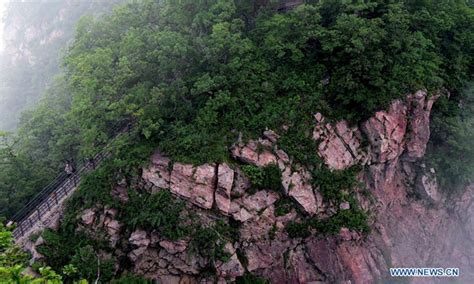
192	75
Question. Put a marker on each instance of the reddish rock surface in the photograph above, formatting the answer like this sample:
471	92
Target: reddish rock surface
435	230
255	152
158	173
297	186
196	184
420	105
339	145
386	132
225	181
245	208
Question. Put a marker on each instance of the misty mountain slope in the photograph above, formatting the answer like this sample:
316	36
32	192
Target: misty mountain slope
326	141
36	35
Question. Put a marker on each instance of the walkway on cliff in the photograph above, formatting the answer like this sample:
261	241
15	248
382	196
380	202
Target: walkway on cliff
43	210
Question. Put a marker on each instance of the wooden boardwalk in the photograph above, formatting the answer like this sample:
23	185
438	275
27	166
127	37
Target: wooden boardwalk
37	214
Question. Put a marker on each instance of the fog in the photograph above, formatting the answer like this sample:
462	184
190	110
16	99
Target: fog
33	37
2	9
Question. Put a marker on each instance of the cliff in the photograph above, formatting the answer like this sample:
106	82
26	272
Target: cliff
412	222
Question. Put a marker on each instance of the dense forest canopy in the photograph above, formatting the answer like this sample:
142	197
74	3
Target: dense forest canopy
192	75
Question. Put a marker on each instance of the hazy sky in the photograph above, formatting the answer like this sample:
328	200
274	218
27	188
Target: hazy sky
2	9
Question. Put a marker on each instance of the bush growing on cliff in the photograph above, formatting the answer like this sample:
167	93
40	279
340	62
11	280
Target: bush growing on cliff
64	246
264	178
354	219
160	211
249	278
90	265
192	75
336	185
210	241
13	262
450	150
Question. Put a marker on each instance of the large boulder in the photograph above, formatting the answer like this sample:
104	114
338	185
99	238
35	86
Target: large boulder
259	227
113	230
419	124
158	173
249	206
339	145
300	267
88	217
174	247
241	184
232	268
139	238
386	132
225	181
196	184
297	185
427	186
255	152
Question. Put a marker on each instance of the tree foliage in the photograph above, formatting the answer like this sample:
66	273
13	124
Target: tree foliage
192	75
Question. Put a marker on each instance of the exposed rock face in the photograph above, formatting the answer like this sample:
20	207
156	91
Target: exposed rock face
297	186
243	209
241	183
386	133
405	232
296	183
194	183
427	187
101	220
255	153
339	145
139	238
419	125
225	181
120	192
159	171
88	217
233	267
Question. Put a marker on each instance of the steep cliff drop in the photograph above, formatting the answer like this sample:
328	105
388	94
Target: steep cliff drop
413	222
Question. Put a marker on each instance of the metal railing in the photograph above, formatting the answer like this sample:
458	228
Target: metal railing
56	192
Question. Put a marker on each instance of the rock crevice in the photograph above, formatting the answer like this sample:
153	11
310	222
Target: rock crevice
405	231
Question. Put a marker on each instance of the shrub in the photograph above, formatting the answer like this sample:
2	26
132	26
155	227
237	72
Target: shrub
254	174
62	245
249	278
354	219
268	177
91	266
298	229
283	206
160	211
333	184
209	242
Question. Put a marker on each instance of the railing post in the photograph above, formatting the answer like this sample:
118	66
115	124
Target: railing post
49	194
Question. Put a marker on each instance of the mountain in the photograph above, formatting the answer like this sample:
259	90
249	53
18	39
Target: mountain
251	142
36	35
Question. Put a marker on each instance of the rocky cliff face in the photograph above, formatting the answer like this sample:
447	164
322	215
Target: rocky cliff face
413	223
